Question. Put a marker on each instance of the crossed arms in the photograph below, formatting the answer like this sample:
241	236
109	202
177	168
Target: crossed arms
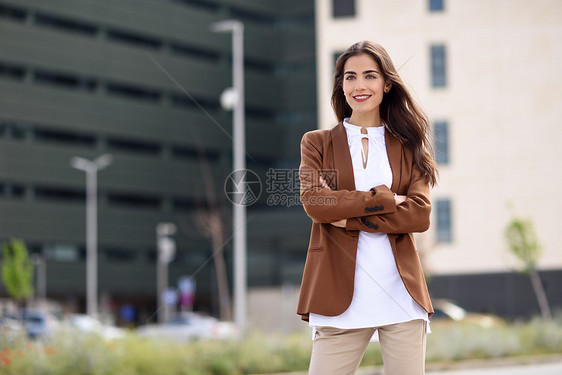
378	210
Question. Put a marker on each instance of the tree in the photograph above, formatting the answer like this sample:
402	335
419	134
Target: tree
210	224
524	244
17	270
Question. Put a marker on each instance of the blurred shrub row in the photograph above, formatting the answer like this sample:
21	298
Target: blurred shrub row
258	353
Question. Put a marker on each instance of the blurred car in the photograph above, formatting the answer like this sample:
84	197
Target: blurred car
87	324
447	310
39	323
10	328
188	327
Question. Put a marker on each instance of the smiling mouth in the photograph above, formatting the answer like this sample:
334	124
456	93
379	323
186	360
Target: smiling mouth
361	98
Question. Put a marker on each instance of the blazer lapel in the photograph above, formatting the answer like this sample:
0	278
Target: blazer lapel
342	158
344	166
394	152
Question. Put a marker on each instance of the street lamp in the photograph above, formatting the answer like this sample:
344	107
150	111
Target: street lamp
41	265
166	251
91	168
234	98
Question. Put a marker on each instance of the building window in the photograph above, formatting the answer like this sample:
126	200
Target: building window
202	4
343	8
11	71
262	114
11	191
11	130
64	137
133	92
67	25
184	205
59	194
11	12
194	103
254	17
64	80
265	67
436	5
134	201
194	153
64	253
438	66
192	51
335	57
120	255
441	134
133	146
133	39
444	227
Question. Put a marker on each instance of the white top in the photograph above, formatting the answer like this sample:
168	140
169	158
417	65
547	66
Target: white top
379	296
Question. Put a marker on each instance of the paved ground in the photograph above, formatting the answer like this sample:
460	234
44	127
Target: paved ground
533	369
531	365
550	364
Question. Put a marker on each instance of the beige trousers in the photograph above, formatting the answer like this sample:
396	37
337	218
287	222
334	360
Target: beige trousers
338	351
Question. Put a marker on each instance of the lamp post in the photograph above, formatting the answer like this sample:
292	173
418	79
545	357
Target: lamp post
41	295
166	251
234	98
91	167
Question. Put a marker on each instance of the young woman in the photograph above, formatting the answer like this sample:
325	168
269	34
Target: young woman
365	184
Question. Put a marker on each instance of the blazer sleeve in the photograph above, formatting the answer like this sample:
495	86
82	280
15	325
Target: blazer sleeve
412	215
324	205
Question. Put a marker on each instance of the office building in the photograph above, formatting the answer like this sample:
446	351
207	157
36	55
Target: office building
484	71
141	80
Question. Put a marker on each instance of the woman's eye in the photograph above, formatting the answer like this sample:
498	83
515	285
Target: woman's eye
370	76
349	78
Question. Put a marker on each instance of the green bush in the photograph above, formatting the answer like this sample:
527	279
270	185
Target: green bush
259	353
466	341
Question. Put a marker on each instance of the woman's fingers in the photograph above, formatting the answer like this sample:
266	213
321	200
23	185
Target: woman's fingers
399	198
340	223
324	183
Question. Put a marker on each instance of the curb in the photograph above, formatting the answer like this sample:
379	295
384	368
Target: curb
461	364
493	362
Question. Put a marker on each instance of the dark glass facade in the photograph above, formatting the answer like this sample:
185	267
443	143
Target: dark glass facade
142	81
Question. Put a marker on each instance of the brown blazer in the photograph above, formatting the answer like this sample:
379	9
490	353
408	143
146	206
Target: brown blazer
329	272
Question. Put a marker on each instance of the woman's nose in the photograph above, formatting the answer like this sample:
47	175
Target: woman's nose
360	85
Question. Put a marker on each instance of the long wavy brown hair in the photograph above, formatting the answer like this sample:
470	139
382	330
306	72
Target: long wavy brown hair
401	115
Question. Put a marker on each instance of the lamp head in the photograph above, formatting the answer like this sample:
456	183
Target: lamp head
229	98
227	25
103	161
80	163
86	165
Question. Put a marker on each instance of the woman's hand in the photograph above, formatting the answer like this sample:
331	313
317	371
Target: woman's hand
324	183
399	198
340	223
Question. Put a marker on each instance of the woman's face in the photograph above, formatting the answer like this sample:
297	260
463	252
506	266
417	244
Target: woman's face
363	85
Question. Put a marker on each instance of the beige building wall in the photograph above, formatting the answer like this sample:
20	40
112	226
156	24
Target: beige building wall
501	102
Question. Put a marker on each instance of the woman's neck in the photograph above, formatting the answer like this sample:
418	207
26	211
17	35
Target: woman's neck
366	119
